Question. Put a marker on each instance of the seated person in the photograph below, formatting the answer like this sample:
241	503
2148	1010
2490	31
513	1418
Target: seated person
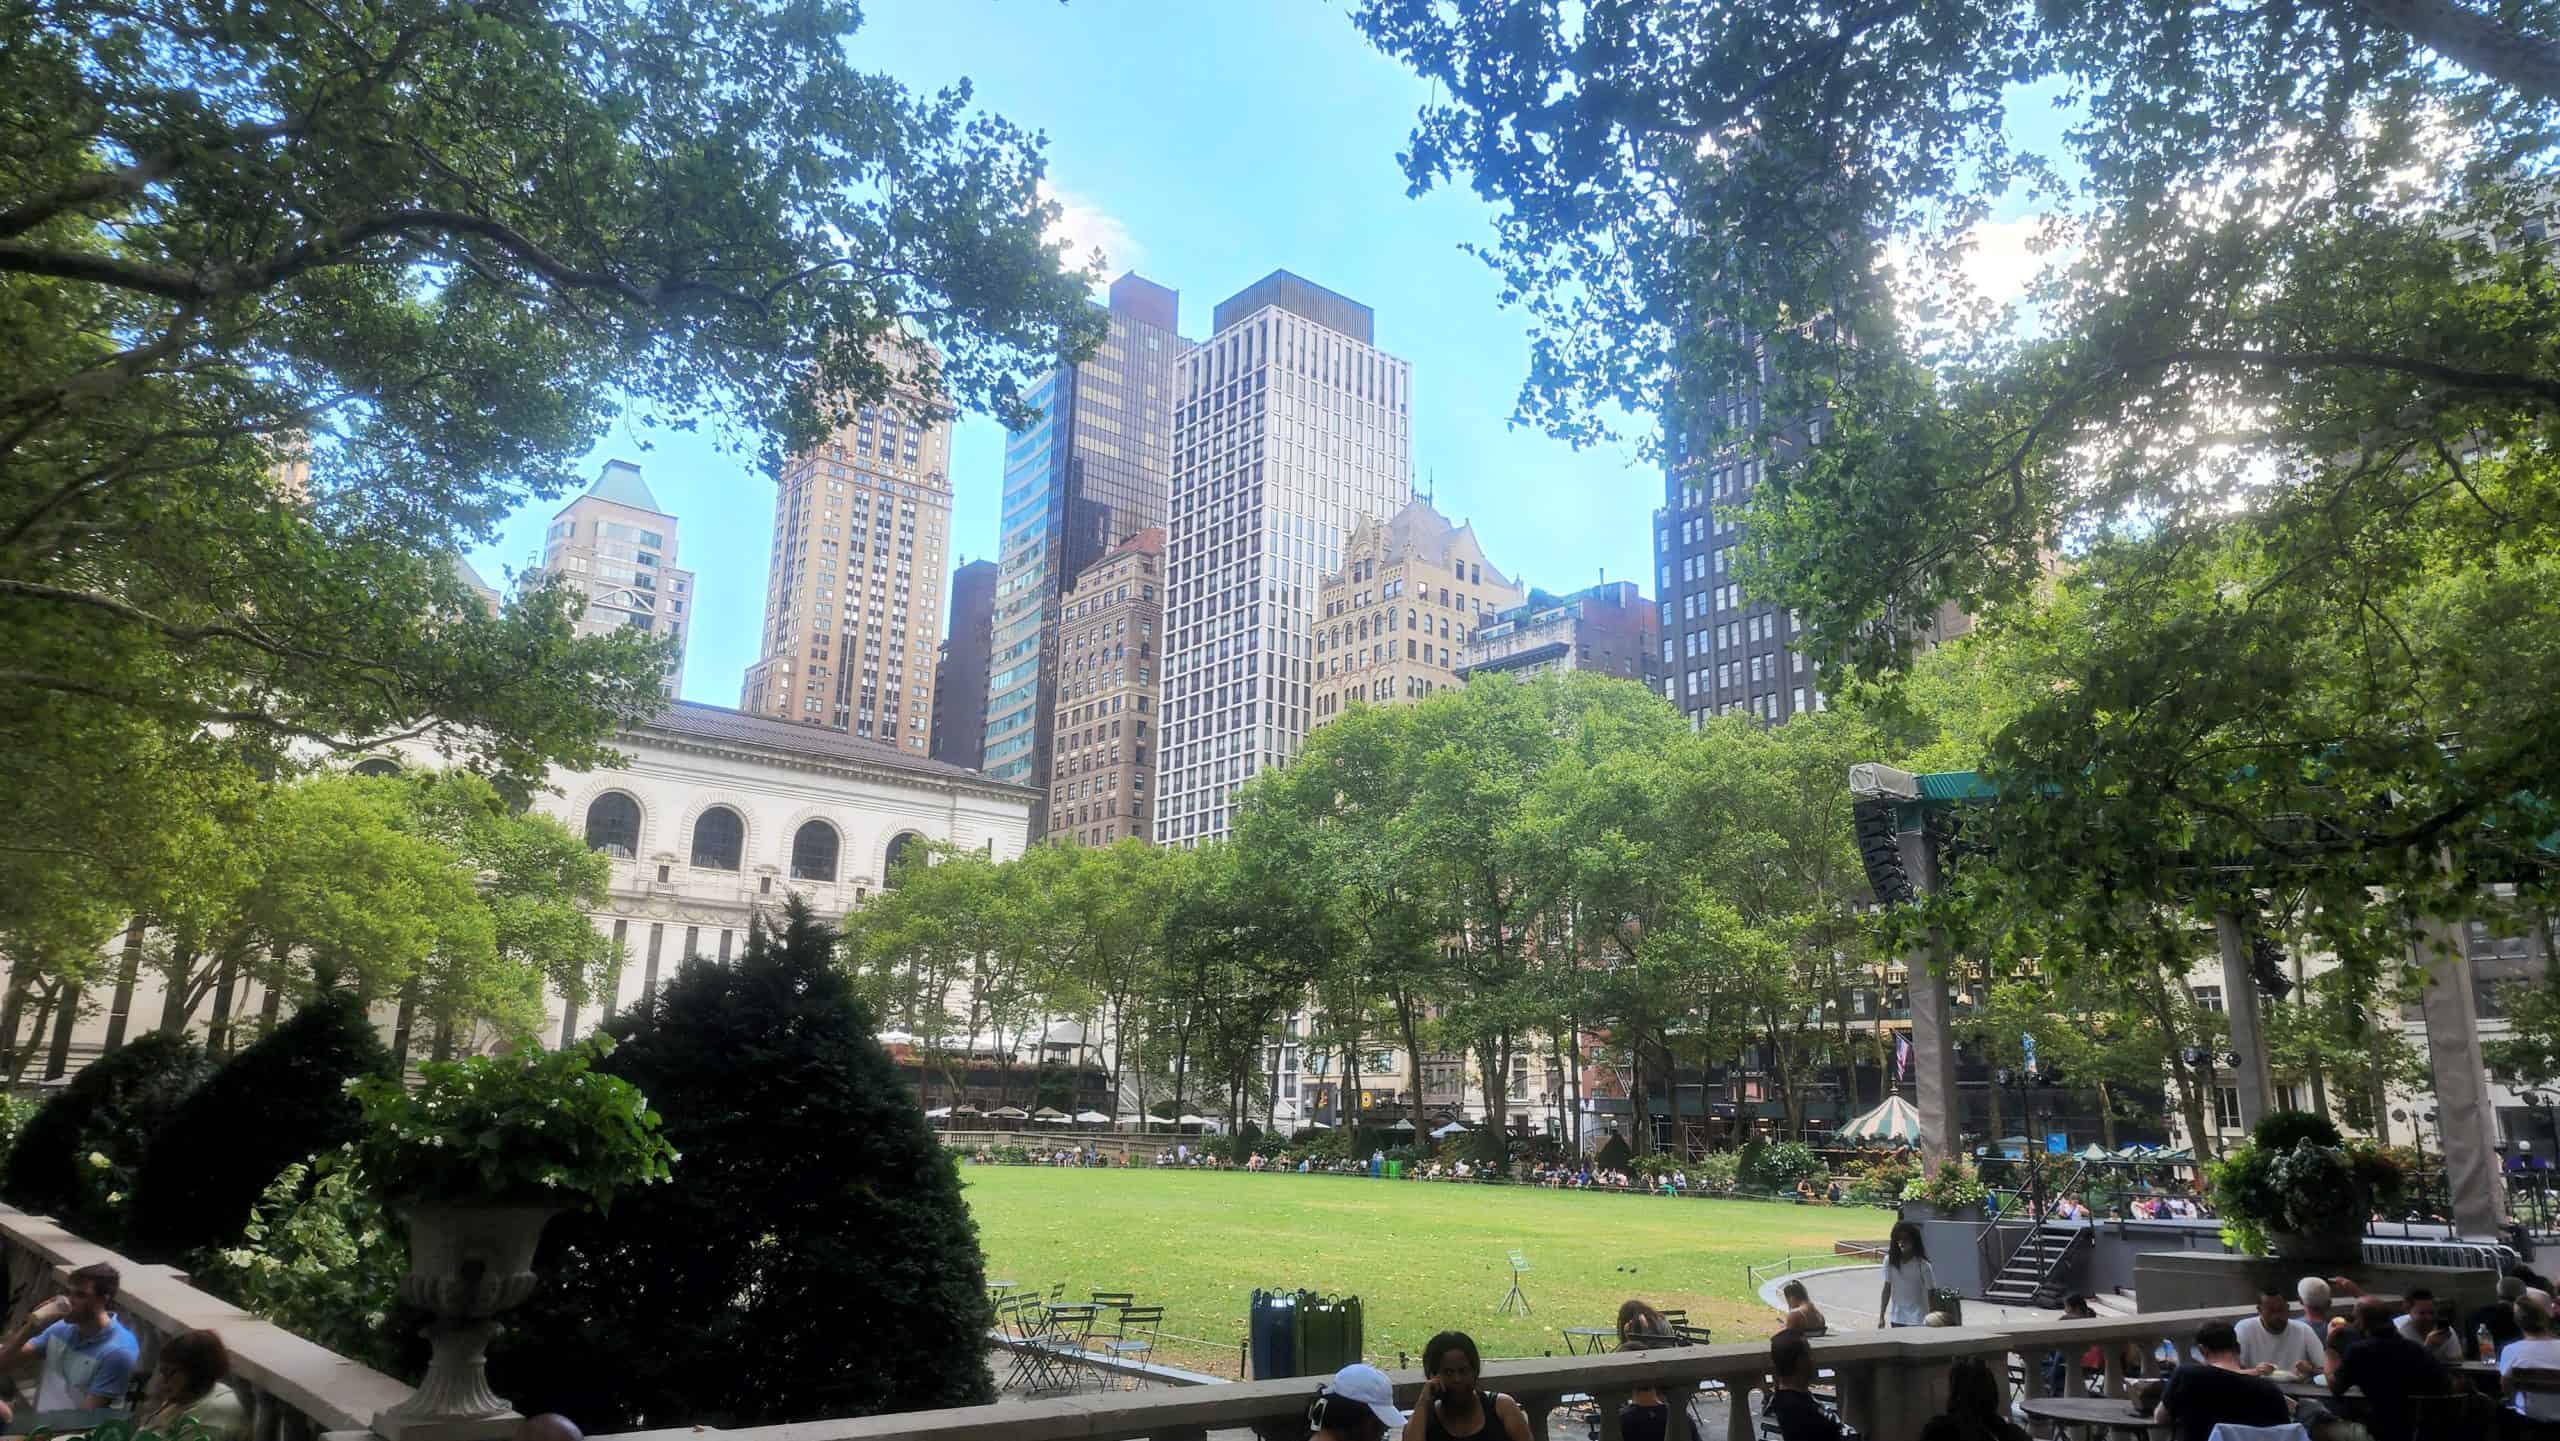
187	1384
1791	1405
1802	1314
2535	1349
1358	1404
2215	1389
2373	1357
2423	1323
2273	1343
87	1354
2057	1366
1647	1415
1973	1407
2498	1318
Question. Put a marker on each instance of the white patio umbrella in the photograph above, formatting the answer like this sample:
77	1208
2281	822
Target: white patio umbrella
1192	1121
1009	1113
1093	1118
1454	1128
1318	1126
1401	1124
938	1113
1048	1113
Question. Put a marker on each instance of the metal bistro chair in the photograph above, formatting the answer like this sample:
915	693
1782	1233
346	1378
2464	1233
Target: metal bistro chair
2523	1381
1137	1339
1116	1300
1061	1344
1019	1318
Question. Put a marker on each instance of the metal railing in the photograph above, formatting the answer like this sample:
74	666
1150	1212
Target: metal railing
294	1390
1850	1253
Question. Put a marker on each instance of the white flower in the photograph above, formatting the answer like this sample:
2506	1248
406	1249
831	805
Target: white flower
98	1159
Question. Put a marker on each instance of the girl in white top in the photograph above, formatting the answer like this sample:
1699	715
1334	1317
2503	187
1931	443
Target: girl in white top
1908	1280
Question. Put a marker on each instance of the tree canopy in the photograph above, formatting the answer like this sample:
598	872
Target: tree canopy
298	305
2280	400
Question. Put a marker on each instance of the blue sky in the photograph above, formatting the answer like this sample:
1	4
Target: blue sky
1204	145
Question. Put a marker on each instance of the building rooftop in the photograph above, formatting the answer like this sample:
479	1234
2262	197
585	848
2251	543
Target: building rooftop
699	721
621	484
1299	296
1418	531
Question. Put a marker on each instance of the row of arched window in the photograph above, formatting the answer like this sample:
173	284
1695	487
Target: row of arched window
720	838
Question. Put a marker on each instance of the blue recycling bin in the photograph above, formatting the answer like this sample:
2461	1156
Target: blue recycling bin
1271	1331
1377	1168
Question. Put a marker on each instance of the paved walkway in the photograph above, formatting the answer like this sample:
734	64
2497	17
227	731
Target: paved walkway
1846	1296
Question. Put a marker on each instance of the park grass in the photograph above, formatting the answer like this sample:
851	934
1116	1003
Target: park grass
1422	1256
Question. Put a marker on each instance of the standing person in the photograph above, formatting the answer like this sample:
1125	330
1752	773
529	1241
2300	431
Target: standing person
1791	1405
2535	1348
88	1355
2214	1389
2273	1343
1358	1404
1973	1407
1452	1407
1908	1278
2390	1369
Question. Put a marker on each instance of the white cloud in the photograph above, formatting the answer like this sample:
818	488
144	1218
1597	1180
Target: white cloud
2003	258
1087	227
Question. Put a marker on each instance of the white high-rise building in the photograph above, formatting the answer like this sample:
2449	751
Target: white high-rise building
1289	427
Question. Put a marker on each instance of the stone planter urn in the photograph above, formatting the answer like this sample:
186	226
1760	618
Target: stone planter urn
2341	1244
467	1266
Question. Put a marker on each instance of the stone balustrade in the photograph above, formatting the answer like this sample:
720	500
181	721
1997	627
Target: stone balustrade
1889	1383
296	1391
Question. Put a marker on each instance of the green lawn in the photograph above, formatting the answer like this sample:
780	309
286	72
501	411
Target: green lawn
1422	1256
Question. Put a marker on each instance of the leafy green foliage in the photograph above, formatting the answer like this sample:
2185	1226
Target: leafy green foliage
816	1261
269	1106
322	1256
2283	1130
295	311
532	1127
1778	1165
2282	395
2308	1188
1954	1186
78	1159
15	1112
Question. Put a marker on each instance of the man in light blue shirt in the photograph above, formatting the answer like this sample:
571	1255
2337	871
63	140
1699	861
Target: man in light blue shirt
88	1355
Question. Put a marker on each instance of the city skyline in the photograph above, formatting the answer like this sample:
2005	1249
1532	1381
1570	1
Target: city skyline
1144	192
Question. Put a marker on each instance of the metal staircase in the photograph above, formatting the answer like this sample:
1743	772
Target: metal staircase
2041	1270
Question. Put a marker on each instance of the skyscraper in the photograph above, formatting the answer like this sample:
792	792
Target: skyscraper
1109	661
1393	624
619	544
960	670
853	597
1092	472
1290	427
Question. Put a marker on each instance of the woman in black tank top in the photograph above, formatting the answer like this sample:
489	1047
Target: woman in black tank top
1451	1407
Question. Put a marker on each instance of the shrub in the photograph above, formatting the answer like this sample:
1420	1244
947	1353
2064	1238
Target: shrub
322	1257
1780	1165
77	1160
272	1105
534	1127
15	1112
815	1259
1955	1186
1715	1171
2283	1130
1613	1154
1881	1183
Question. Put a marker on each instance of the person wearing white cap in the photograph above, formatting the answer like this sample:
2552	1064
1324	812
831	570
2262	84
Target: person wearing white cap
1358	1404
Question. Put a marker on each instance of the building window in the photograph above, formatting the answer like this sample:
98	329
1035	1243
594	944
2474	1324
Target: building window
2208	998
813	853
613	825
378	769
2226	1108
718	839
903	850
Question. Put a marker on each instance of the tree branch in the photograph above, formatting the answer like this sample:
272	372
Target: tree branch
2481	44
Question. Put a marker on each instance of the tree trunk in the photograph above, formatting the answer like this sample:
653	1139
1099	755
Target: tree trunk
57	1063
1410	1029
218	1036
128	972
176	1000
12	1010
443	1050
2106	1116
1640	1104
402	1022
2377	1084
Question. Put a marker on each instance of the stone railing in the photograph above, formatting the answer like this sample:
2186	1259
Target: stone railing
1887	1383
295	1390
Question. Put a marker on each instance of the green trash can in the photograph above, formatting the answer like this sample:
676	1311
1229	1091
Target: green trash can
1395	1172
1330	1336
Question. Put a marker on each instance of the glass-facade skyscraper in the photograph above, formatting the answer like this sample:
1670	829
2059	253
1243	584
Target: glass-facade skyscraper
1093	471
